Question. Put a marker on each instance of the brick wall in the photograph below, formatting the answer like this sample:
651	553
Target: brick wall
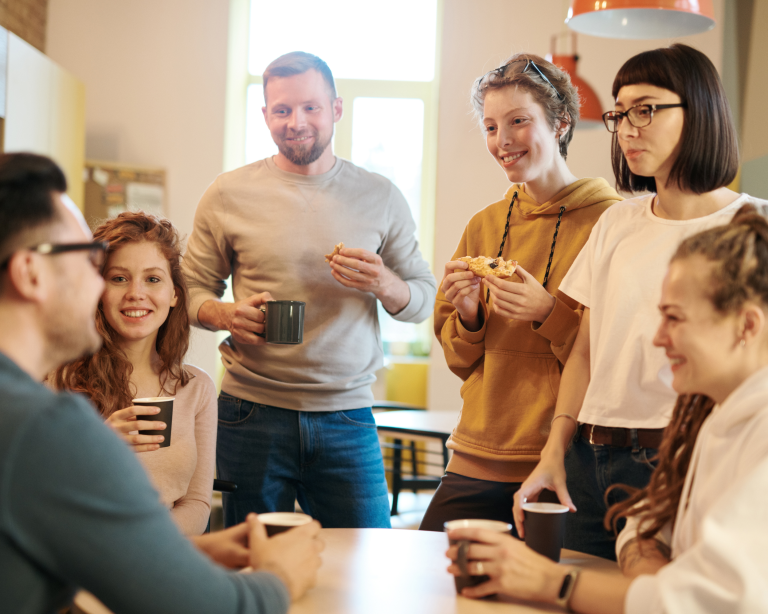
27	19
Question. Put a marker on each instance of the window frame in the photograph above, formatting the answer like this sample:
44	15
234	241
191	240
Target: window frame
239	79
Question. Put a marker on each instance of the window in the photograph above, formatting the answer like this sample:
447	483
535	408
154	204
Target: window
383	57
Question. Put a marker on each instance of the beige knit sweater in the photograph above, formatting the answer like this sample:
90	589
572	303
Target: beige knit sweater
183	472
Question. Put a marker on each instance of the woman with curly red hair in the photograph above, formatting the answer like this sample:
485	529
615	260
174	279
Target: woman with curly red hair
142	318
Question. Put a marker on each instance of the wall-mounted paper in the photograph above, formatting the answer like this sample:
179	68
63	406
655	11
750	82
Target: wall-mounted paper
145	196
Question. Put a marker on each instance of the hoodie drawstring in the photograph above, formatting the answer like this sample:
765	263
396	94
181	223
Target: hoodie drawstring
506	232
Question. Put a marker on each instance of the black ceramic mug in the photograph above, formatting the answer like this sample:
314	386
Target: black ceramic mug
283	322
166	415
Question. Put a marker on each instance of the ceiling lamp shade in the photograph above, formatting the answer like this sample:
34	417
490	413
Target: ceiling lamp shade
591	111
641	18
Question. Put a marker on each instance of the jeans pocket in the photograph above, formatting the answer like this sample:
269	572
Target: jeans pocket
358	417
645	456
234	411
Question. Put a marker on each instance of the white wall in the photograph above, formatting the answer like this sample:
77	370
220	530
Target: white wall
154	73
478	36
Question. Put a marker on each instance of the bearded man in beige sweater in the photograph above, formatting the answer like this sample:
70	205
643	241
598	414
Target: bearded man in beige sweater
295	421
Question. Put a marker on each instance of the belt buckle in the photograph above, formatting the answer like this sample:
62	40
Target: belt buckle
591	433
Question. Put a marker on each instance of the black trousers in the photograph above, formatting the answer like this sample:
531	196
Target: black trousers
460	497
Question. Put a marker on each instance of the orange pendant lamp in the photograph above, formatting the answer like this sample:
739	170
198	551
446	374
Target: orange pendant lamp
641	18
591	112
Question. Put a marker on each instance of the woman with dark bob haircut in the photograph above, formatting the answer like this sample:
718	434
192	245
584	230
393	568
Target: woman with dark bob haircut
672	134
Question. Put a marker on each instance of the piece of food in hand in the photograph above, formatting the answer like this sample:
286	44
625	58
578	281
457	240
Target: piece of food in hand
336	250
483	266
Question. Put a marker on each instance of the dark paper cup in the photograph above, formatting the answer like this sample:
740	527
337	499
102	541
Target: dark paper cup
283	322
278	522
166	415
466	579
544	525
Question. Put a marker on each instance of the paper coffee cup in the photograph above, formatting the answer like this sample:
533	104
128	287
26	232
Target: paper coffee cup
544	525
166	415
466	579
278	522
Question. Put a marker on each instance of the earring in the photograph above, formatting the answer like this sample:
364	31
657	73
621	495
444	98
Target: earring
743	342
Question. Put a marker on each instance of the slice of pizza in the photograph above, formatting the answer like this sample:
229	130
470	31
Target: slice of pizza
483	266
336	250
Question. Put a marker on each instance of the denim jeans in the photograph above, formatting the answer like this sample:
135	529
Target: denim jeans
329	461
590	470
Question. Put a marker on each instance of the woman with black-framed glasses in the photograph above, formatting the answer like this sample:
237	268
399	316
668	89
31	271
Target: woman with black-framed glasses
508	338
673	136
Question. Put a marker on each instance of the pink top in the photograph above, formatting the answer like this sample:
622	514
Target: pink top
183	472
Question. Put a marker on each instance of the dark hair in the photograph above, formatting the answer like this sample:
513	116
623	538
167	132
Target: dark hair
559	98
297	63
26	185
105	376
739	253
709	153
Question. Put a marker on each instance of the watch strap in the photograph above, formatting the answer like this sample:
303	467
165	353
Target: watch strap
566	589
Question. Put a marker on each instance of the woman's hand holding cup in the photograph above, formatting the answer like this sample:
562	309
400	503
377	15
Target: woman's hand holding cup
463	289
511	567
125	423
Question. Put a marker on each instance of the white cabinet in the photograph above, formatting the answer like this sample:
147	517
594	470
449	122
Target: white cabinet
45	112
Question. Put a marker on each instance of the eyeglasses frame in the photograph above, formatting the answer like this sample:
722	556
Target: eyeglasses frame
51	249
620	115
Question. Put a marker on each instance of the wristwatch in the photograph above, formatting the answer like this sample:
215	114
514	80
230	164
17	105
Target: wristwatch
566	589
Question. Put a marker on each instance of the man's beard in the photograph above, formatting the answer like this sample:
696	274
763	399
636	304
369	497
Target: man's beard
300	155
68	342
71	333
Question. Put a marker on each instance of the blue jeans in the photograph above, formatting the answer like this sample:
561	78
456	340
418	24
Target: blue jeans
329	461
590	470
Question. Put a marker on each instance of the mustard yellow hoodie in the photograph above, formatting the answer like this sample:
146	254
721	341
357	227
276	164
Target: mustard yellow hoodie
511	369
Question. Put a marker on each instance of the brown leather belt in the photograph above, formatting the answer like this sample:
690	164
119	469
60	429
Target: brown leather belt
620	437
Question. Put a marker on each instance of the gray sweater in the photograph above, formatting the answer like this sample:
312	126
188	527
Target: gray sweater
270	230
77	510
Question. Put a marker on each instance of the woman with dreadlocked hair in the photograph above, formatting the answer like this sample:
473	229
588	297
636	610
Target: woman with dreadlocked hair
508	338
695	540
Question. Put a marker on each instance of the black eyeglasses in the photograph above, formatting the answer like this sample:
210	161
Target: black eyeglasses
638	116
97	251
501	70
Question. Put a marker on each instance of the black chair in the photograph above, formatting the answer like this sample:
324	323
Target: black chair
416	480
224	486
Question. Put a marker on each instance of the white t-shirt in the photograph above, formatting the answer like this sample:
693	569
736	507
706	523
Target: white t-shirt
618	275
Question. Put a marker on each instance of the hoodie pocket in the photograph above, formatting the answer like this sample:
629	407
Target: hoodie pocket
509	402
477	375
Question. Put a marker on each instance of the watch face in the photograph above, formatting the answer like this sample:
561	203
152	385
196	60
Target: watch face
565	586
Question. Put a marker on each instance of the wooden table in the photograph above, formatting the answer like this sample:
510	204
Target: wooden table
389	571
432	425
418	425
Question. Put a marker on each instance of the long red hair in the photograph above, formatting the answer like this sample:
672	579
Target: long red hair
739	252
105	377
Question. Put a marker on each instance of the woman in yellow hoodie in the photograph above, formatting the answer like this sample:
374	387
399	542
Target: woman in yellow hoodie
508	339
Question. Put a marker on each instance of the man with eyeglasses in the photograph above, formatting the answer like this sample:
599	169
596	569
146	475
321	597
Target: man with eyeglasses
76	508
